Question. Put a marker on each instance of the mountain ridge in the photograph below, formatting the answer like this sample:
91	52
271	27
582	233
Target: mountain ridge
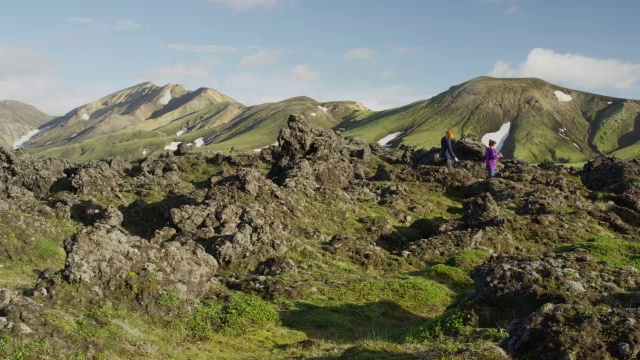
17	119
544	121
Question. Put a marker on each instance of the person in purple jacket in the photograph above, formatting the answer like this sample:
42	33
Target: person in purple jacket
491	157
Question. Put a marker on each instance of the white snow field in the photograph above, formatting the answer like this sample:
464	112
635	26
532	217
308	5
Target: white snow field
173	145
166	97
387	139
18	144
499	136
562	96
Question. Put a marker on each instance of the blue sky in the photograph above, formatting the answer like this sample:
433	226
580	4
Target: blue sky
384	53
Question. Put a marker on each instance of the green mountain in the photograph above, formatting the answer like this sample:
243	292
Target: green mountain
531	119
545	121
146	119
17	120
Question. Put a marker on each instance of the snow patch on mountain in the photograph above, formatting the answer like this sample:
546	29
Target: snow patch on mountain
499	136
562	96
563	132
173	146
387	139
166	97
323	108
85	116
199	142
18	144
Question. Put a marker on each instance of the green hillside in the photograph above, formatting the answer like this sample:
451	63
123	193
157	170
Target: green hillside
545	121
543	127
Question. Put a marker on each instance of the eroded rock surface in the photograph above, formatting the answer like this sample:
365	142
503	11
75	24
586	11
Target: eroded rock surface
101	257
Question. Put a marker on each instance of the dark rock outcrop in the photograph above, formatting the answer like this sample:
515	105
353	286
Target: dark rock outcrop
101	257
576	332
614	175
310	158
20	169
233	223
466	149
482	209
97	178
447	177
522	284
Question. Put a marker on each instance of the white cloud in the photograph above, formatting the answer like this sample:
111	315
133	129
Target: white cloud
50	95
383	98
120	25
126	24
88	22
22	61
253	89
359	54
572	70
245	4
202	48
304	72
24	77
180	73
261	58
406	50
387	73
509	6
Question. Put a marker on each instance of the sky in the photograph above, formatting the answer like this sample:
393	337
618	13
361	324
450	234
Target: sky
58	55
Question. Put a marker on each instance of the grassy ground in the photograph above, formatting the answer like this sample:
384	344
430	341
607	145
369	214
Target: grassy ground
341	305
334	306
30	245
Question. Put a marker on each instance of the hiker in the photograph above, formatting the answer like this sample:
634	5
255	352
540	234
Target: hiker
491	157
446	152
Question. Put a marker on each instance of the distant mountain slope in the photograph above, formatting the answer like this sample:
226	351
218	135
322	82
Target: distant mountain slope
544	121
259	125
17	120
531	119
141	107
146	119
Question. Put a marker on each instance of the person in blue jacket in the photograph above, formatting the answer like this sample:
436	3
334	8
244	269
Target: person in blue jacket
446	152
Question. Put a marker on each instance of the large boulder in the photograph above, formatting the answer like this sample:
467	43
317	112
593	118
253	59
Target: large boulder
614	175
240	222
309	158
20	169
521	285
559	332
19	314
482	209
445	176
102	257
97	178
466	149
610	174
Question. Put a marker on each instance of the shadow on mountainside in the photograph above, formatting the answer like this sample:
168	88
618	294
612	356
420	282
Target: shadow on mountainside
143	219
382	320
